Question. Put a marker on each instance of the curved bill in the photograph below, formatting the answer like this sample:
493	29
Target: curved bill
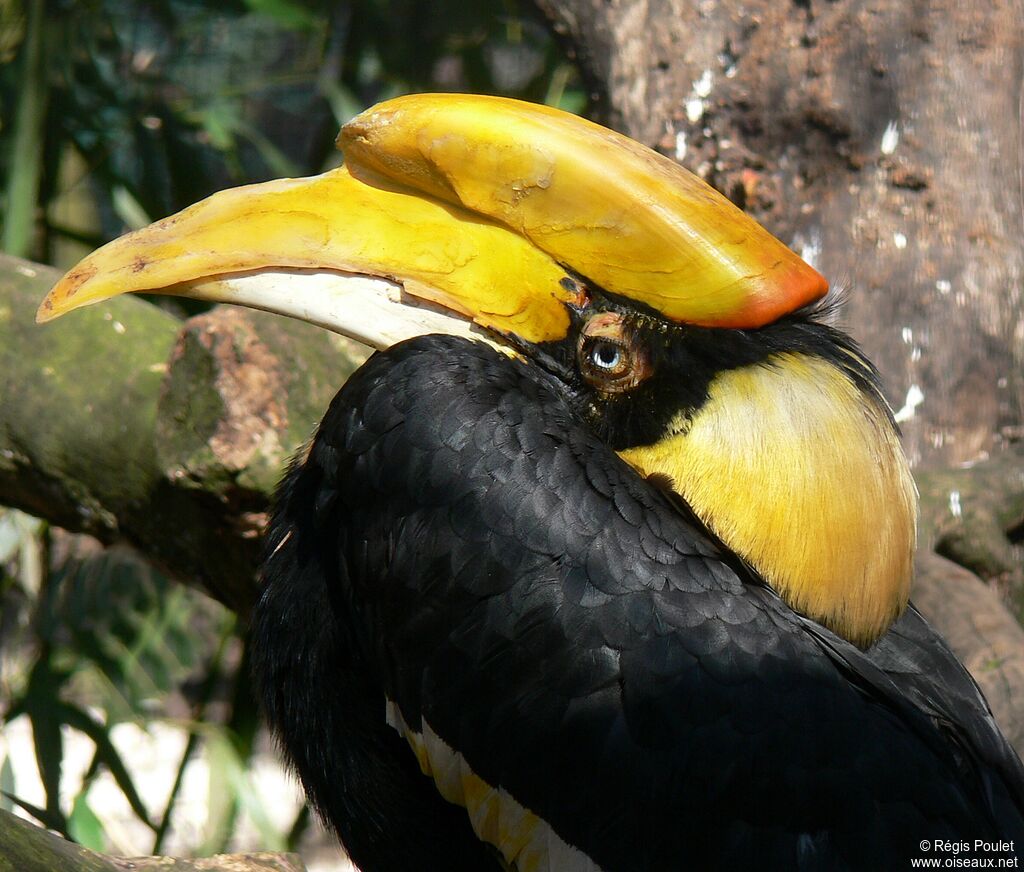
627	218
351	256
468	213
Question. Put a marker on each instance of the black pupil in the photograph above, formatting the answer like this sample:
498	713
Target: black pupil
606	355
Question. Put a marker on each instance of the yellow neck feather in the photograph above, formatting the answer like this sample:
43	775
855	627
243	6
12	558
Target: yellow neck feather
802	475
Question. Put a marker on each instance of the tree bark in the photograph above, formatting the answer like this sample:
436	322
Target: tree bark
971	617
880	138
127	424
28	848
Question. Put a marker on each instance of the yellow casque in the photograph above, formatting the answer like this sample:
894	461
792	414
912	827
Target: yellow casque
625	217
516	195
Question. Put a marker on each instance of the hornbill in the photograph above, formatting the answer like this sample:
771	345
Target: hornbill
602	561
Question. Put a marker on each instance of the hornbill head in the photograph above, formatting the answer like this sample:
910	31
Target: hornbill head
680	329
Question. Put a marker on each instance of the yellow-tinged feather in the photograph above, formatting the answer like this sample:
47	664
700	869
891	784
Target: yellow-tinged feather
527	843
801	473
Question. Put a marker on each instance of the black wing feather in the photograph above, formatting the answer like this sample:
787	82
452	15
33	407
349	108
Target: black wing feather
551	616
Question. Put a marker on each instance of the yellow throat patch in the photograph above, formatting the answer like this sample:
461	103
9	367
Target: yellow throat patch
802	475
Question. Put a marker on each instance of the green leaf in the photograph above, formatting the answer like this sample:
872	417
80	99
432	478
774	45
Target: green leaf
230	784
221	801
7	785
561	92
344	104
284	12
220	120
108	755
84	827
299	828
128	209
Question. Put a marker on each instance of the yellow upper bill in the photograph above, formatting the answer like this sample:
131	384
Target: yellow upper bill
331	221
482	206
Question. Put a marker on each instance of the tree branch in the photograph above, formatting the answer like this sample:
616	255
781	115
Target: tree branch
124	423
28	848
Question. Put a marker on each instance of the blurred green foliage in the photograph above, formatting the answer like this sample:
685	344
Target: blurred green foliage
114	113
93	638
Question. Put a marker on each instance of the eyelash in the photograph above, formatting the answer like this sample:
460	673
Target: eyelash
627	372
611	358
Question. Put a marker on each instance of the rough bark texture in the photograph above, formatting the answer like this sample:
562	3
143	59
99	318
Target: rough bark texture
984	635
882	138
973	517
129	425
27	848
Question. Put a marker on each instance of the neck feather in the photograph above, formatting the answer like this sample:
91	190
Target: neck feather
800	471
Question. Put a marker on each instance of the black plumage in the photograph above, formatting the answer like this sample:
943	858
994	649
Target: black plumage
459	541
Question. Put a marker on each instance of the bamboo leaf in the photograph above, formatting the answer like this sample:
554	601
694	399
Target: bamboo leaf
285	12
231	771
51	821
221	800
84	826
108	755
7	785
26	165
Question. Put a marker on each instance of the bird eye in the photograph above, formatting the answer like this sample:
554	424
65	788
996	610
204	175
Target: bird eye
607	356
610	355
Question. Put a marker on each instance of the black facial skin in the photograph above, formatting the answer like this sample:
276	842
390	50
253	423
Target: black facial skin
684	360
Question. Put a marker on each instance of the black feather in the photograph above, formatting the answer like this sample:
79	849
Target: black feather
460	541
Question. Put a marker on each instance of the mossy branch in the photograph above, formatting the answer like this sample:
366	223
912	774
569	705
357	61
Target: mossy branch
124	423
28	848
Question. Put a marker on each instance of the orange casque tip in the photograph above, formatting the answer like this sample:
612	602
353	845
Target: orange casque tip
516	193
623	216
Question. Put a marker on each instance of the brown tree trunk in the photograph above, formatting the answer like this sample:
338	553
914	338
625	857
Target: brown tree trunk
881	138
